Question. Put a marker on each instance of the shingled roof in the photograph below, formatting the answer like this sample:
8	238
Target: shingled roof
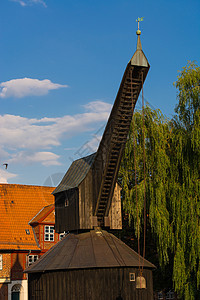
75	174
94	249
18	205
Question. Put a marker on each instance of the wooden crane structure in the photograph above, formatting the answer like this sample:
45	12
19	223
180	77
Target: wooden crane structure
107	161
85	195
90	263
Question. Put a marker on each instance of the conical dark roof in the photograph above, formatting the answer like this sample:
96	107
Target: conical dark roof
94	249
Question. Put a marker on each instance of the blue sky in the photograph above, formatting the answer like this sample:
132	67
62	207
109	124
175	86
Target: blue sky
61	65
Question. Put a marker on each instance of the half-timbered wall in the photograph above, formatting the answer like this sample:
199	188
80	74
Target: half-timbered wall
5	267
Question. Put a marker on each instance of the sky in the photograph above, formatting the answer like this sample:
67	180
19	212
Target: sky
61	65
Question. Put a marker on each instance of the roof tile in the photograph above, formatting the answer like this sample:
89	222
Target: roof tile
19	204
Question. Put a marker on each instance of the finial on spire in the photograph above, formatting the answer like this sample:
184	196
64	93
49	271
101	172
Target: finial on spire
139	59
139	20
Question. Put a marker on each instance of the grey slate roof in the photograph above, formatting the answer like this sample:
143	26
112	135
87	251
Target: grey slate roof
94	249
75	174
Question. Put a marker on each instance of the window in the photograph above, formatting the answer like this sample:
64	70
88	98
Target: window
132	276
1	262
49	233
62	235
31	259
16	291
170	295
160	296
66	202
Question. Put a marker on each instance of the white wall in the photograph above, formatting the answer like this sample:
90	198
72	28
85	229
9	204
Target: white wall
23	291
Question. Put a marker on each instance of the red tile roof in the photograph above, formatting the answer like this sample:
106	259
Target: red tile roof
18	205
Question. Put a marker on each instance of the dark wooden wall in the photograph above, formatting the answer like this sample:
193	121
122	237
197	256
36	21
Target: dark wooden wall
89	284
87	205
115	212
80	210
67	216
85	202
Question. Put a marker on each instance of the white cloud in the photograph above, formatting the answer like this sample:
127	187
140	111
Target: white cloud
37	2
4	176
3	154
98	106
24	140
21	132
30	2
24	87
22	3
26	157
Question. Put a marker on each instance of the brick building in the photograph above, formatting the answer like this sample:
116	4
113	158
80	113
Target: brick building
26	233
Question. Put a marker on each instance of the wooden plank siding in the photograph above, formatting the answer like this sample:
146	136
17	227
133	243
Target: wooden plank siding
93	284
86	203
115	212
79	213
67	210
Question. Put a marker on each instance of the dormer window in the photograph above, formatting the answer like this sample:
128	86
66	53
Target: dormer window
49	233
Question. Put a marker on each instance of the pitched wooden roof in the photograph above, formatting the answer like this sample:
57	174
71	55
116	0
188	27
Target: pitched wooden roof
75	174
18	205
94	249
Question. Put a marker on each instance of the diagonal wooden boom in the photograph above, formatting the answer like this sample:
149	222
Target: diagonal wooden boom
107	161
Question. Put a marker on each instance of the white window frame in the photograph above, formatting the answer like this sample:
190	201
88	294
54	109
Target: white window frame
1	261
49	233
31	258
131	276
62	235
160	295
170	295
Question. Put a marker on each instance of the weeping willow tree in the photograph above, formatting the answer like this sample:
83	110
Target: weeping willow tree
172	184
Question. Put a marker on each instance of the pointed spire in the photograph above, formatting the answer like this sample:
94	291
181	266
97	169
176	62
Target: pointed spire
139	45
139	59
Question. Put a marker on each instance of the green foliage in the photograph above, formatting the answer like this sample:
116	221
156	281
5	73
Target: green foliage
188	86
172	181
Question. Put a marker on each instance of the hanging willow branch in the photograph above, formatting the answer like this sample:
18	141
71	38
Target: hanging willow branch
172	181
